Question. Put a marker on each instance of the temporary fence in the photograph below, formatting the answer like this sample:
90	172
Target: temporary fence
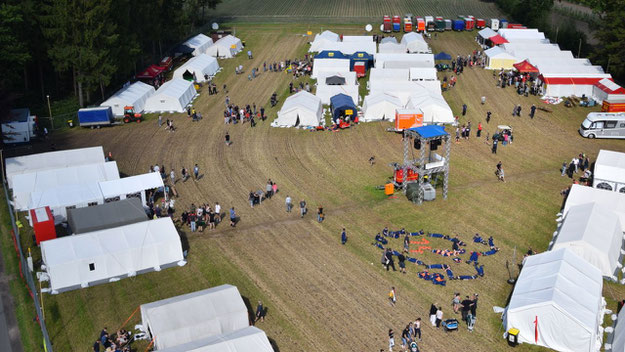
25	273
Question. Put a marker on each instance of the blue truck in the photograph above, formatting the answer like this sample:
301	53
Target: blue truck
95	117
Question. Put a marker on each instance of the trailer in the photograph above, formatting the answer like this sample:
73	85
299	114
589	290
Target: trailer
458	25
448	25
503	23
480	23
440	24
420	24
386	24
396	24
469	23
95	117
20	126
429	23
494	24
408	23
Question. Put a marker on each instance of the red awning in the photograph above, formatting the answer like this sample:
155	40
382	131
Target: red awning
525	66
497	40
607	85
580	81
151	72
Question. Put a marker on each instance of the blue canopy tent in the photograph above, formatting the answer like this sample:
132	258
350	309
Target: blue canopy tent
442	56
331	54
342	105
360	56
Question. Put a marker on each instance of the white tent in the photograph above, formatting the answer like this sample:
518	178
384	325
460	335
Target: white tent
561	293
134	95
347	48
26	184
415	43
350	77
381	106
250	339
52	160
389	74
423	74
435	108
329	65
323	39
173	96
392	48
198	67
194	316
497	58
521	34
300	109
404	60
109	255
606	89
618	338
226	47
485	34
358	38
60	198
582	195
594	233
199	43
610	171
404	89
131	186
325	92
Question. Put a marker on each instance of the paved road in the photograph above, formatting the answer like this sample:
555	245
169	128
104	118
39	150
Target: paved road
9	332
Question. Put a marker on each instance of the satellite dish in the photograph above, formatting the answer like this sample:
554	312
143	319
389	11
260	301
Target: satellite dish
381	28
368	28
215	26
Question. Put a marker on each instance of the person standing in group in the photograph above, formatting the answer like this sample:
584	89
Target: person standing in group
184	174
389	259
268	189
274	188
392	296
217	212
466	308
479	129
227	98
391	340
532	111
196	172
456	303
464	109
439	317
564	167
407	243
405	337
474	305
172	176
288	202
233	217
494	148
518	110
343	237
433	310
302	208
514	110
160	120
401	259
417	328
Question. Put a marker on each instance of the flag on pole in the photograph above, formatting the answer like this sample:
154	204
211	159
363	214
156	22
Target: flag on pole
536	329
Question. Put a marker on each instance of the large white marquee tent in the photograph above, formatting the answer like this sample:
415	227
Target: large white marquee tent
109	255
199	66
173	96
350	77
391	48
62	197
326	92
300	109
250	339
199	43
610	171
194	316
381	106
323	39
130	186
389	74
329	65
618	338
347	48
52	160
581	195
404	60
497	58
404	89
226	47
593	232
561	293
134	95
415	43
434	107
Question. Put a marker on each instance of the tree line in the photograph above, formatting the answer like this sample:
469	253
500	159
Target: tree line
81	47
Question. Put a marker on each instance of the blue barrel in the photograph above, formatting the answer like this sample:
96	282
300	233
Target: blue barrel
458	25
396	27
503	23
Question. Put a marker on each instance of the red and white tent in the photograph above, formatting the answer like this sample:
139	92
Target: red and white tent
606	89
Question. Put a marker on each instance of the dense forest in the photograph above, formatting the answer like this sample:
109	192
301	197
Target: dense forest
81	47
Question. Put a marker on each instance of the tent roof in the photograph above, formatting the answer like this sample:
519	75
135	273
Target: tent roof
198	41
525	66
340	101
228	40
193	316
497	39
249	339
583	194
350	77
357	38
428	73
174	88
52	160
328	35
361	55
131	184
65	196
618	341
332	54
303	100
151	72
134	95
347	48
392	40
377	98
392	48
563	279
499	53
610	166
487	33
198	65
607	85
389	74
593	232
442	56
182	49
105	216
431	131
335	80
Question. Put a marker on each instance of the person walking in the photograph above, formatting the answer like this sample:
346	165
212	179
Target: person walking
217	212
227	138
494	148
433	310
343	236
488	116
483	100
456	303
464	109
320	214
564	167
401	259
439	317
160	120
302	208
392	297
390	262
391	340
532	111
479	129
233	217
518	110
501	175
196	172
288	202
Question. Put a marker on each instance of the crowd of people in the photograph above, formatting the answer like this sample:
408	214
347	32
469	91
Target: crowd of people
524	83
118	342
234	114
577	164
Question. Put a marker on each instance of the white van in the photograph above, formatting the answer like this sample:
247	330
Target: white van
603	125
494	24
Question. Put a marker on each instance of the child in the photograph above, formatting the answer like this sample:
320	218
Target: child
392	297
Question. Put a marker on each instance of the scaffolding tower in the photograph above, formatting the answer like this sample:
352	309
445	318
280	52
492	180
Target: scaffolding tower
427	162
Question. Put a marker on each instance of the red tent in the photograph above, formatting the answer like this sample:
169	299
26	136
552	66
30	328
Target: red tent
497	40
151	72
525	66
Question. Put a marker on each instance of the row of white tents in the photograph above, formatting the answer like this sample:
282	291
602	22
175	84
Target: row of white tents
557	300
412	42
211	320
224	48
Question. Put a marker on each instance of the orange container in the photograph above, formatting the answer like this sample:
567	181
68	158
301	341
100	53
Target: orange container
612	107
408	118
389	189
420	25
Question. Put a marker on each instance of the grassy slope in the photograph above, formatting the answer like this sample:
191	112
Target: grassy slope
323	296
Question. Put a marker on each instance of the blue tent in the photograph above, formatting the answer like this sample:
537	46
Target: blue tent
360	56
442	56
331	54
431	131
342	105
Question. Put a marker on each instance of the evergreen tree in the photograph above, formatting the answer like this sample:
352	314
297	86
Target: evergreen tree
13	50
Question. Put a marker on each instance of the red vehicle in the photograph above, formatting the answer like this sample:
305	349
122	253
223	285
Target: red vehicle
167	63
360	69
408	24
481	23
396	23
387	28
469	23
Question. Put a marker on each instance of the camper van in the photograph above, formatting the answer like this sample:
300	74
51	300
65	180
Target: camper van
603	125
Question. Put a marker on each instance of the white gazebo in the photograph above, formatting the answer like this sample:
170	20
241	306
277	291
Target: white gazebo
301	109
134	95
610	171
226	47
198	68
199	44
415	43
173	96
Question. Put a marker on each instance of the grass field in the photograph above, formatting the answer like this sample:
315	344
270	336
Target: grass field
323	296
348	11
